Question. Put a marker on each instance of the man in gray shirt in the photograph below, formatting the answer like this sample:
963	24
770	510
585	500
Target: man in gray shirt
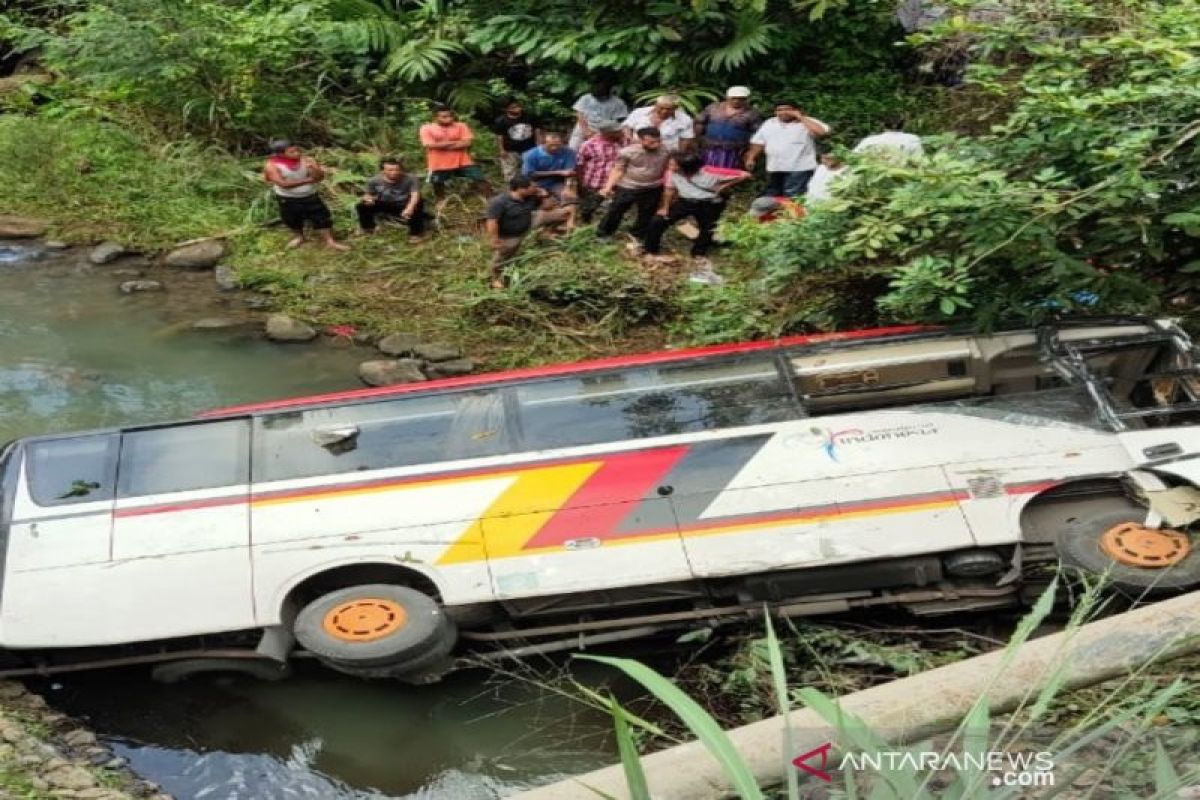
636	180
691	192
394	194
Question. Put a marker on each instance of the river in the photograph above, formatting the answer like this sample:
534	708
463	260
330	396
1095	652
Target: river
77	353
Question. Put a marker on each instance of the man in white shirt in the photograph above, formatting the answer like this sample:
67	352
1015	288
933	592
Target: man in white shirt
600	105
830	170
674	124
893	144
789	140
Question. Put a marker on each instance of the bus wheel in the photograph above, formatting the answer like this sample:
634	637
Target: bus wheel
375	629
259	668
1135	558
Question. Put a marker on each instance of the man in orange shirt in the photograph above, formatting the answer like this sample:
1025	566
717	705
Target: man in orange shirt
447	144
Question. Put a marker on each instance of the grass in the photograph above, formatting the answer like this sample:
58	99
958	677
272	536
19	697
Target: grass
569	298
1137	736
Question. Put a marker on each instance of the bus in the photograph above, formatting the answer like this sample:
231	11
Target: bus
387	531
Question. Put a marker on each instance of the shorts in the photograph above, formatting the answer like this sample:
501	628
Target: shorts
471	172
510	165
296	211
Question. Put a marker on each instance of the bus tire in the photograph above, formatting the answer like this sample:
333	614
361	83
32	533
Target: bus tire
259	668
1086	543
362	629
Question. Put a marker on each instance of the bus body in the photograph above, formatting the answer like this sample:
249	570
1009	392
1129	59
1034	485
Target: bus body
716	476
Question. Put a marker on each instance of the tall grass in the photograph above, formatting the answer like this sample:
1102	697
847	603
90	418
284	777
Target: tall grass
1117	742
99	180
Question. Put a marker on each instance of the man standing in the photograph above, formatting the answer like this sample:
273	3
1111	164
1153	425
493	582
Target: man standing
894	143
447	144
789	141
691	192
674	125
510	216
294	178
594	162
516	133
392	194
726	128
636	179
551	166
598	106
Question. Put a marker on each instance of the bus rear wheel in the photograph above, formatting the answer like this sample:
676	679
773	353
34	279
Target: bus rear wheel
1135	558
376	630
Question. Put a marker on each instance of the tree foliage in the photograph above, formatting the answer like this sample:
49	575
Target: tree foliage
1080	195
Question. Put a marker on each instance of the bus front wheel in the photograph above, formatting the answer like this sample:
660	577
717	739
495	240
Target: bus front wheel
376	630
1135	558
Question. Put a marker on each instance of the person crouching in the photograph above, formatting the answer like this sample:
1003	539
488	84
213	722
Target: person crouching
392	194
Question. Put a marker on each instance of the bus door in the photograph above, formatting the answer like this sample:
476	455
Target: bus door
181	530
59	541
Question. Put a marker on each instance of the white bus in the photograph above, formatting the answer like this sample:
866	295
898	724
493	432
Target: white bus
382	530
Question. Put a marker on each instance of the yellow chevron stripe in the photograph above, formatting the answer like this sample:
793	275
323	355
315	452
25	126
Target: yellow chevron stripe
519	512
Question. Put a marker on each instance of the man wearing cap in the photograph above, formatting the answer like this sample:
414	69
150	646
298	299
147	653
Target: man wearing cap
674	125
726	126
594	162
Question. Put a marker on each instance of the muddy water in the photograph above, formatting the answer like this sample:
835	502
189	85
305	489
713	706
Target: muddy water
77	353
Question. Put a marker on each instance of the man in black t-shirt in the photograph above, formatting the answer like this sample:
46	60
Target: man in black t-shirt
516	132
511	215
394	194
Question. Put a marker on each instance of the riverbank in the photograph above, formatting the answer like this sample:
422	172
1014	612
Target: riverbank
570	297
46	754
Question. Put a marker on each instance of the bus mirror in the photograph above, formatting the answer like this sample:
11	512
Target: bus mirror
340	437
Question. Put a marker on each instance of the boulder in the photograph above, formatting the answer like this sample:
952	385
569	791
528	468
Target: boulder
437	352
106	252
282	328
130	287
197	255
56	244
127	273
386	372
450	369
70	777
398	344
79	738
14	227
216	324
225	277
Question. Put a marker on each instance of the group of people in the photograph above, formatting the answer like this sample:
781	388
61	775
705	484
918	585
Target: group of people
657	161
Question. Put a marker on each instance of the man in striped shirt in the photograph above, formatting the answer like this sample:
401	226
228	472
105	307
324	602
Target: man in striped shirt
594	162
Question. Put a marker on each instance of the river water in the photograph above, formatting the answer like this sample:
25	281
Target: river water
77	353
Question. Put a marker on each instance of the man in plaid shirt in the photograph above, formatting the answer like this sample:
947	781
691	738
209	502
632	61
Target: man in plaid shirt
594	162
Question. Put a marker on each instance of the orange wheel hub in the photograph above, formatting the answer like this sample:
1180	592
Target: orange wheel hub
365	619
1135	545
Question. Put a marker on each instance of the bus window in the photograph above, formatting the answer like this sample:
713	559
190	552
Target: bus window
184	458
78	470
660	401
392	433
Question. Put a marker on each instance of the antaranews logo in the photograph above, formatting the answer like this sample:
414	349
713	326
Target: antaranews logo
1010	769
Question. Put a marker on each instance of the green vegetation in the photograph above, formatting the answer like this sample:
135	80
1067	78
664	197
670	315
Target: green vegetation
1110	737
1062	144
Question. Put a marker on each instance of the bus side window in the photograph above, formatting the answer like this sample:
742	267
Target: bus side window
76	470
390	433
206	455
647	402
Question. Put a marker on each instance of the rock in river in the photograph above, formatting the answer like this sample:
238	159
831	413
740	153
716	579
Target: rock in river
386	372
282	328
106	252
197	255
399	344
451	368
129	287
13	227
437	352
225	277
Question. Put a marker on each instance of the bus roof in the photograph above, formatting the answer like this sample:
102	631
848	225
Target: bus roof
554	370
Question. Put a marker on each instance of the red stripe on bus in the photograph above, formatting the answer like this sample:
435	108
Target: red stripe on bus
190	505
643	359
604	500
